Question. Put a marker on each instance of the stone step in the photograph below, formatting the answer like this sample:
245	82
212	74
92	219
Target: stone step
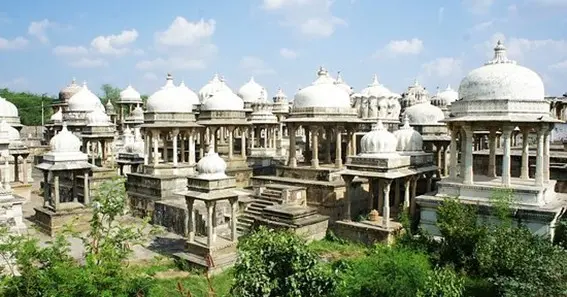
259	205
253	212
272	192
277	200
263	202
245	219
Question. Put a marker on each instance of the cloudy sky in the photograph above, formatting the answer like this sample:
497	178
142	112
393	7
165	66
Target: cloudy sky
43	44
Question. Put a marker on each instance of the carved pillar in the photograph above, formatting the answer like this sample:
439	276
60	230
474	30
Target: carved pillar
211	238
46	189
182	149
539	176
56	198
147	148
546	144
155	138
348	193
468	159
16	169
315	157
230	142
338	148
25	169
506	175
174	135
492	153
353	142
525	153
445	160
202	143
252	132
192	159
242	143
292	162
86	192
386	212
453	147
190	219
328	142
407	192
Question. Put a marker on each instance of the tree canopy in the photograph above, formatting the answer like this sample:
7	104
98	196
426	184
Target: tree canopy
29	105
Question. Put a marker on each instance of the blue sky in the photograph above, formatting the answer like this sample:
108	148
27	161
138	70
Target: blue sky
43	44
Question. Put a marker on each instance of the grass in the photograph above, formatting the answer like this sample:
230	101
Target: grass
333	250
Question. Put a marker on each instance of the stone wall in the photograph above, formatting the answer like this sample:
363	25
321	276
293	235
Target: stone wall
363	233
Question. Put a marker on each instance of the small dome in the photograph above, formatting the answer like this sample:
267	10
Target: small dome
409	140
109	107
252	92
187	94
98	117
224	100
84	100
424	114
322	93
65	142
67	92
375	89
168	99
379	140
448	95
501	78
214	85
130	94
12	133
280	96
58	116
7	109
342	84
415	94
137	113
211	166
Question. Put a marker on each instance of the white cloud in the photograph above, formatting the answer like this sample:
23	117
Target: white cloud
551	3
115	44
478	6
443	67
288	53
184	33
312	18
440	14
559	66
65	50
13	44
526	49
38	30
150	76
255	66
413	46
14	83
88	63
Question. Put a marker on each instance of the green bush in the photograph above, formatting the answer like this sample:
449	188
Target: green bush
443	282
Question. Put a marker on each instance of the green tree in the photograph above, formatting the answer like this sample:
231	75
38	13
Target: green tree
109	92
29	106
279	264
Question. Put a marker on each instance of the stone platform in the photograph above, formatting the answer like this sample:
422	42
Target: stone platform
303	221
144	190
214	260
367	232
51	222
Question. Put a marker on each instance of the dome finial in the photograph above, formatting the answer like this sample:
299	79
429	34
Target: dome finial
252	79
322	71
449	88
438	90
379	125
500	56
169	77
84	83
406	122
375	81
415	82
73	81
339	77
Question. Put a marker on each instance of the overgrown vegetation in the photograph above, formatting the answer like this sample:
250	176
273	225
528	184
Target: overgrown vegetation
29	106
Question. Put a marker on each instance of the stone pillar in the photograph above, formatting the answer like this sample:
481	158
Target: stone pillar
315	157
348	192
211	236
242	143
407	192
201	143
353	142
525	153
338	148
183	149
192	158
56	196
380	195
445	160
468	159
155	138
328	141
453	147
46	189
546	144
539	176
233	218
413	194
507	144
87	198
292	162
371	190
16	169
386	212
492	153
230	142
25	169
439	151
174	135
252	132
147	148
190	219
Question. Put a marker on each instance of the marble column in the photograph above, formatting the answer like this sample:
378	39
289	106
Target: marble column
230	143
148	148
174	135
525	153
155	138
86	192
201	143
407	183
211	236
25	169
468	156
190	219
439	151
315	149
492	153
328	141
252	132
233	218
453	147
192	159
338	148
386	211
292	162
348	192
182	150
353	142
242	143
546	144
56	189
539	176
445	160
507	147
371	191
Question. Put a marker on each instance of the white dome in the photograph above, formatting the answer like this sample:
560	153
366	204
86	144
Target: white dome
58	116
70	90
7	109
211	166
252	92
448	95
342	84
168	99
12	133
130	94
214	85
375	89
138	113
84	100
280	96
224	100
98	117
424	114
322	93
501	78
187	94
409	140
415	94
65	142
379	140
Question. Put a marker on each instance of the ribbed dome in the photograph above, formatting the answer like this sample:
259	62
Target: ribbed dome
130	94
65	142
343	85
11	132
224	100
58	116
168	100
214	85
84	100
409	140
98	117
7	109
375	89
70	90
424	114
501	78
253	92
415	94
211	166
187	94
379	140
322	93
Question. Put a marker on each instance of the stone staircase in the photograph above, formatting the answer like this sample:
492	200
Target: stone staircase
267	196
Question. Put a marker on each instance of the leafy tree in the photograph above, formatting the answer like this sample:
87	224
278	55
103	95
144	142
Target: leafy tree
279	264
109	92
29	106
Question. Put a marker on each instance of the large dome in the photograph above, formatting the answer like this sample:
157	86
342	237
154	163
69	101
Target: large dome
501	78
409	140
253	92
84	100
11	132
67	92
211	166
415	94
378	141
65	142
7	109
214	85
448	95
168	100
424	114
224	100
188	94
375	89
322	93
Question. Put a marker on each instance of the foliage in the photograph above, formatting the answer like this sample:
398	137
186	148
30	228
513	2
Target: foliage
443	282
109	92
502	203
29	106
50	271
386	271
279	264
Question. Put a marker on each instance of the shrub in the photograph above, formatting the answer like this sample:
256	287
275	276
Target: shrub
443	282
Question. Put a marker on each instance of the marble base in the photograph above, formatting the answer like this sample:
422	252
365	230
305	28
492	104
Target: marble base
303	221
213	259
51	222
